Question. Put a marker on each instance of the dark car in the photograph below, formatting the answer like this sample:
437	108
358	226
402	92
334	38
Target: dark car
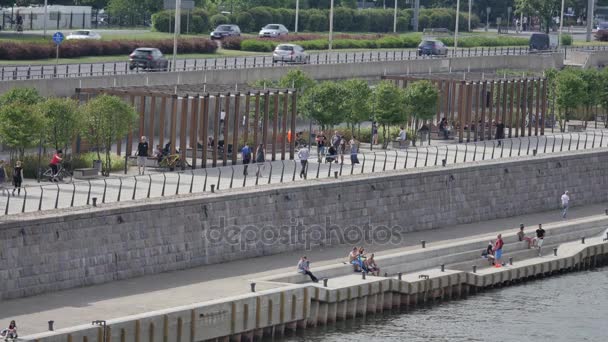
432	47
225	31
149	59
540	42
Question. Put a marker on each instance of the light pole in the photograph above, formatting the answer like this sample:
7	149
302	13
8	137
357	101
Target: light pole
561	26
178	5
395	19
590	5
456	29
488	10
297	14
470	5
331	24
45	14
509	9
416	14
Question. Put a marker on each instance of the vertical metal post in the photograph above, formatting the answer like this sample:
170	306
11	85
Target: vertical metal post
119	189
57	198
149	185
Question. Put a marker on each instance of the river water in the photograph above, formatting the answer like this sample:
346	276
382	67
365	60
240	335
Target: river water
569	308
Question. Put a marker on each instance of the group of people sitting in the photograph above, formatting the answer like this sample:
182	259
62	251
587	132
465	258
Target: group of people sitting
493	251
362	262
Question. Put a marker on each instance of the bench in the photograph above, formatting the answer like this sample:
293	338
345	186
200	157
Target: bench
85	173
576	128
150	162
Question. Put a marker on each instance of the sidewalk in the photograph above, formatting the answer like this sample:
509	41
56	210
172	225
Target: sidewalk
138	295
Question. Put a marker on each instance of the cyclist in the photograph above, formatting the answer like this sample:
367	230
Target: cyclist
54	164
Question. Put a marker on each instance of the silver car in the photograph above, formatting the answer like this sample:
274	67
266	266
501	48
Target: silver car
83	35
273	31
290	53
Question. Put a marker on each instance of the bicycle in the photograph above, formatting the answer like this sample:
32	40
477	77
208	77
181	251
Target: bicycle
63	175
173	161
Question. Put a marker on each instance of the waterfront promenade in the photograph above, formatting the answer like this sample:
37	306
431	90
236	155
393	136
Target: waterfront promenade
140	295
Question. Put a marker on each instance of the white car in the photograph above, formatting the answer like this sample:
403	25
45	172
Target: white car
273	31
290	53
83	35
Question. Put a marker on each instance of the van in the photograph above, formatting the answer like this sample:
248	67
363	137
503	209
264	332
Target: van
539	42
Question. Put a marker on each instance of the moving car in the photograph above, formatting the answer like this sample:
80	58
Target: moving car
83	35
273	31
148	58
290	53
225	31
432	47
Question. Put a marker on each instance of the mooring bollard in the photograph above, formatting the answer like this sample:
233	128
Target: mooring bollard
443	162
399	275
606	211
51	325
212	187
385	274
325	282
94	201
363	275
534	153
474	269
511	261
336	174
583	240
554	251
442	268
423	243
252	287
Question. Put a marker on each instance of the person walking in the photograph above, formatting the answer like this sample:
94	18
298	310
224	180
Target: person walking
17	177
321	141
565	204
2	175
142	155
500	131
304	268
498	250
335	139
246	154
260	158
540	238
303	156
354	149
342	150
374	133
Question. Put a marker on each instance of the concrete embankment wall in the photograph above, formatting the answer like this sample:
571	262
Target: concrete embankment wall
49	251
370	70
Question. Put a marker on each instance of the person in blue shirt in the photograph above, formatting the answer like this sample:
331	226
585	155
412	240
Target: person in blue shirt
246	154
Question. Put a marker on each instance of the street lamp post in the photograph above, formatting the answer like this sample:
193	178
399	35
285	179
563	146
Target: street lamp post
470	5
457	22
509	9
561	25
297	14
395	18
590	5
45	14
178	5
488	10
331	23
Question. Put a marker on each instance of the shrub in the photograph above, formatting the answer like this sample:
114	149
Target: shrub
85	160
343	19
257	45
232	43
566	40
389	43
245	21
219	19
261	16
198	23
317	22
602	36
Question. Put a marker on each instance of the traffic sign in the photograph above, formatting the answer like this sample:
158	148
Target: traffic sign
58	37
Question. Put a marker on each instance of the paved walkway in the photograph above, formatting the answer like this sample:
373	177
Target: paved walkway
82	305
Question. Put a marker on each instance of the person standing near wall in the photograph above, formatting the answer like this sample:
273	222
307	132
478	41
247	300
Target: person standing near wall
354	150
565	204
498	250
303	156
246	154
540	238
142	155
17	177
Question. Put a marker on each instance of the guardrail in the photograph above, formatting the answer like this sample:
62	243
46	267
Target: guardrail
121	68
161	184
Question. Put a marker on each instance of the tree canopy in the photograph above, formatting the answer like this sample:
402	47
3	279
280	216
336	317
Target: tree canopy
421	99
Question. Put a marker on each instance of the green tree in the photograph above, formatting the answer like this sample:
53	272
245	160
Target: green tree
324	103
357	102
389	106
128	9
21	126
107	119
24	96
297	79
545	9
569	91
63	121
593	89
421	100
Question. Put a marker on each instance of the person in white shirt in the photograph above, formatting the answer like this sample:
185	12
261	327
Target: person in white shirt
402	137
565	204
303	156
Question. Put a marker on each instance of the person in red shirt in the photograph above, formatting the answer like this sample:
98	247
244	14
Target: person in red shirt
498	250
54	165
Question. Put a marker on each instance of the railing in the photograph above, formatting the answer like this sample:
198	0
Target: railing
122	68
161	184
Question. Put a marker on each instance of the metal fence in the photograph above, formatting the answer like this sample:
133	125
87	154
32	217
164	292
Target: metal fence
161	184
122	68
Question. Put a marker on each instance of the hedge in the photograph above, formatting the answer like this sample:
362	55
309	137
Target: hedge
466	42
199	21
317	20
72	49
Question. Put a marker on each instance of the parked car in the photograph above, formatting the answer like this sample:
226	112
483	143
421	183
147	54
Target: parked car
83	35
290	53
225	31
273	31
149	59
432	47
539	42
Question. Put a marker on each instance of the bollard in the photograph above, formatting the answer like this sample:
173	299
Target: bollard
325	282
554	251
442	268
534	153
443	162
606	211
252	287
474	269
606	239
212	187
423	243
511	261
336	174
94	201
162	194
231	177
51	325
399	275
583	240
362	274
385	274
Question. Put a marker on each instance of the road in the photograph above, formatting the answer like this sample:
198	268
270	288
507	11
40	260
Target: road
47	196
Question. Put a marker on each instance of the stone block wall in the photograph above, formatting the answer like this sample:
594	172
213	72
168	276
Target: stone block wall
49	251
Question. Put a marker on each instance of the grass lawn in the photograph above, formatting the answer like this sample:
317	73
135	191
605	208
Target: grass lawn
100	59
